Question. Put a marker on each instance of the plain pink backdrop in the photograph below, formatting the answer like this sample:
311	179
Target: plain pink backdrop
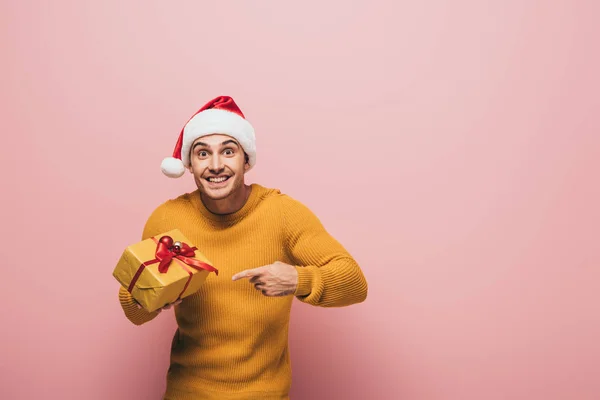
452	147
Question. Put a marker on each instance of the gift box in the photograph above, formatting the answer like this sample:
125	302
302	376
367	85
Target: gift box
162	269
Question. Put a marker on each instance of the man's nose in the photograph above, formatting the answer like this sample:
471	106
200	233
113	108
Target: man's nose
216	163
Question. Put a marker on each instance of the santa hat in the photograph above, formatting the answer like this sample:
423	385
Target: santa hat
219	116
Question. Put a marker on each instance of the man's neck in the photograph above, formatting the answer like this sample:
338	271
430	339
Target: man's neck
229	205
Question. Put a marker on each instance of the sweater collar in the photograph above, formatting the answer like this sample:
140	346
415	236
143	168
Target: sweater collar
256	192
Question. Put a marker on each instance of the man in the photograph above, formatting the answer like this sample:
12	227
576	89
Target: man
232	336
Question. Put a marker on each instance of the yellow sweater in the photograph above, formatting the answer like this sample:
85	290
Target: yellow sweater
232	341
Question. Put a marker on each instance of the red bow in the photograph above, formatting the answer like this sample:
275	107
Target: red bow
165	254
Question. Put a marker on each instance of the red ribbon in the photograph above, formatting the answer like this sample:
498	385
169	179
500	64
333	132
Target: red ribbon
166	254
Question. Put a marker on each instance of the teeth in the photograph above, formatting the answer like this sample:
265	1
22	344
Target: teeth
217	180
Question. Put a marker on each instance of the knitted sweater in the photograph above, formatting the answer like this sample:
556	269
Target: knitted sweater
232	341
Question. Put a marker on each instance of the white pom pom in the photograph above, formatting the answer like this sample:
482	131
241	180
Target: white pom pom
172	167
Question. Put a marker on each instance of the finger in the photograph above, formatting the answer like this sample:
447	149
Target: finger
271	293
169	305
276	293
257	281
247	273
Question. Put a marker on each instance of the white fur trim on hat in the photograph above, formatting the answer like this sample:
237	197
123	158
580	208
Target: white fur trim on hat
215	121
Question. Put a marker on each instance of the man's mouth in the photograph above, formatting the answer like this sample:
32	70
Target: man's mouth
217	179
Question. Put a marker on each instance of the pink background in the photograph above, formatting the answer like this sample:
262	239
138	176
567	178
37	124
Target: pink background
452	147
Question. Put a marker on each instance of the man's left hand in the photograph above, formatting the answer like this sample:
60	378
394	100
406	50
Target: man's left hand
278	279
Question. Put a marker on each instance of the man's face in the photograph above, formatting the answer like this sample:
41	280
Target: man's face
218	164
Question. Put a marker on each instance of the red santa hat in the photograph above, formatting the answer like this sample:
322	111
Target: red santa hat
219	116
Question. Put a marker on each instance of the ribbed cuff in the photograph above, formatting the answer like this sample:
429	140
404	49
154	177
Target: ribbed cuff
135	314
304	281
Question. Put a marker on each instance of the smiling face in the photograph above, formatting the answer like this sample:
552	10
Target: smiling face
218	164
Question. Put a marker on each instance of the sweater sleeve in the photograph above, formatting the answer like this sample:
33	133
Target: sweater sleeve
135	314
328	276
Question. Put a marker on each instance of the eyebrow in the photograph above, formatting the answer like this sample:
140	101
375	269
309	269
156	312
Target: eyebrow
228	141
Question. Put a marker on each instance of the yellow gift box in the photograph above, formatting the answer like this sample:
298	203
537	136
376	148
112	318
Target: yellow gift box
162	269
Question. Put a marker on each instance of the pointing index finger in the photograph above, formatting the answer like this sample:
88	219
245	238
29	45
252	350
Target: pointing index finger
247	274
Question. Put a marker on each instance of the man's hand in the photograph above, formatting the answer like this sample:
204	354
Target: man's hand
278	279
165	307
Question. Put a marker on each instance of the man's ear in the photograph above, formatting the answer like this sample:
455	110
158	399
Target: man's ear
246	162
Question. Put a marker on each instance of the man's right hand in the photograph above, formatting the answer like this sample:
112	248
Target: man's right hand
165	307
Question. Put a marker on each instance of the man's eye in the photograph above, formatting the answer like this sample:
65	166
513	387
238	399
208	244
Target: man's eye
202	154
